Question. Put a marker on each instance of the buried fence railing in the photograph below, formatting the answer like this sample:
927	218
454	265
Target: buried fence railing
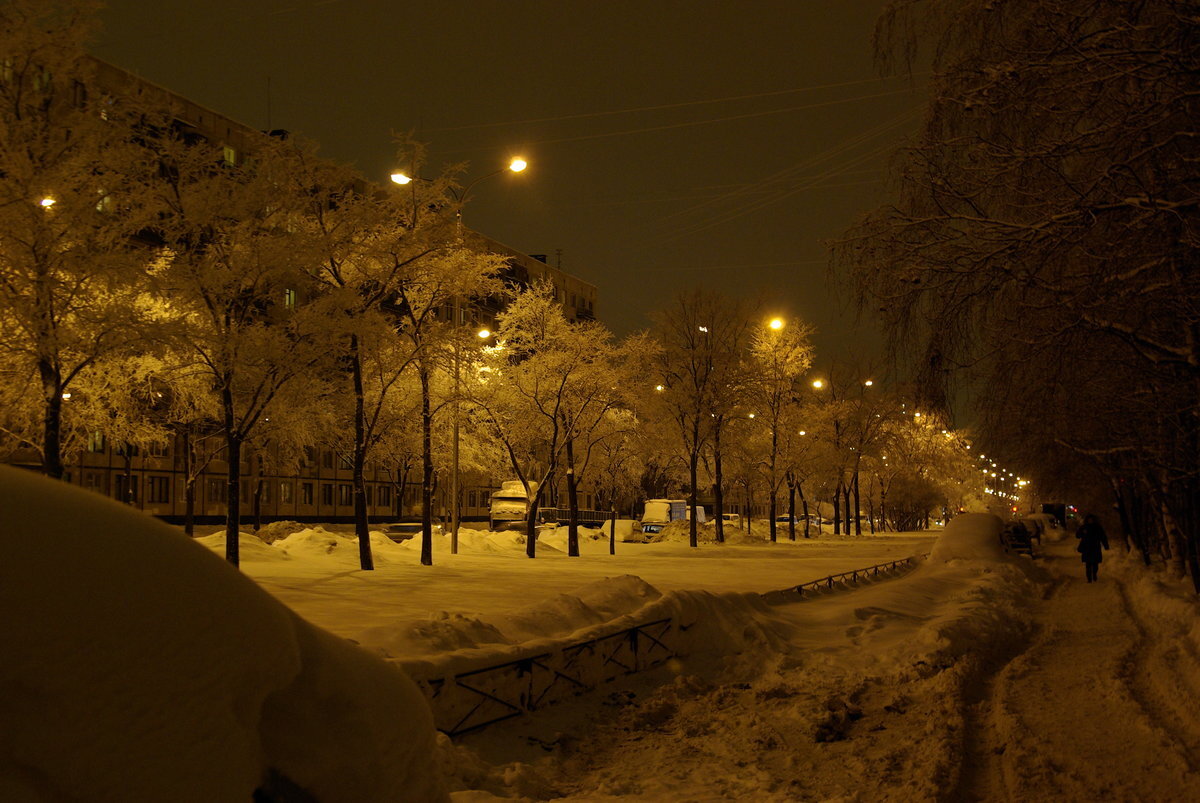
479	697
852	576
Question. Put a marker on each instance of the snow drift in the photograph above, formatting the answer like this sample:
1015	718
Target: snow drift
140	666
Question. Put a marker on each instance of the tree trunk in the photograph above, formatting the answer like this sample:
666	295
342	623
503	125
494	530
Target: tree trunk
857	504
693	471
233	457
718	482
791	484
51	419
257	506
189	485
531	519
837	509
572	503
804	502
612	527
127	473
362	525
426	467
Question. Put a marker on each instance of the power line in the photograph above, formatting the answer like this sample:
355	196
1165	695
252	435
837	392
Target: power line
693	123
659	107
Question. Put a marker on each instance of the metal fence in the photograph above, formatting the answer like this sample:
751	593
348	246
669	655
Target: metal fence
562	515
479	697
827	583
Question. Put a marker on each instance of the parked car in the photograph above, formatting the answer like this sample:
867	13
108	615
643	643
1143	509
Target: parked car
657	513
732	518
509	506
402	531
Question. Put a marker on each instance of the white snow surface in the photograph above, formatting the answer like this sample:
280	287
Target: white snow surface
147	669
138	666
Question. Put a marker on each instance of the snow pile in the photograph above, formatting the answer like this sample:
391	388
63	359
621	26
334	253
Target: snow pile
139	666
275	530
970	536
447	643
250	547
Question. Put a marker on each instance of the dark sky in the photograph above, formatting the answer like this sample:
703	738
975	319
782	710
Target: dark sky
671	144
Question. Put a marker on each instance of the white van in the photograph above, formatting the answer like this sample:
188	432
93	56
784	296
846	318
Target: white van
509	505
659	512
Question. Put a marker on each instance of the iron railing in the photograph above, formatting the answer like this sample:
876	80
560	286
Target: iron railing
562	515
790	593
476	698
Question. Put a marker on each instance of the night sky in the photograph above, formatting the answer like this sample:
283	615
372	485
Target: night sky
671	143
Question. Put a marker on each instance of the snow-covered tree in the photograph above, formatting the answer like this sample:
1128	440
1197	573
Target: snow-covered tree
780	353
701	336
1043	237
232	286
72	197
547	381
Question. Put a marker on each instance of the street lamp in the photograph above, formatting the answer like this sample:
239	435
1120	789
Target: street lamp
515	165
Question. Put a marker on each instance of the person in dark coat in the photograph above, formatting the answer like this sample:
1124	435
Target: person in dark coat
1092	541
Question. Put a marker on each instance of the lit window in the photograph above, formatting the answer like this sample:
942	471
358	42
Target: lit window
306	493
230	155
285	492
289	298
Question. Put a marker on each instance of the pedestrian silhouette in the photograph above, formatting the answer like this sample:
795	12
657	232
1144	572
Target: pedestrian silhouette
1092	542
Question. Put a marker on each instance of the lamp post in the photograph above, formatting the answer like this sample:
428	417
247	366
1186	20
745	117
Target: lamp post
516	165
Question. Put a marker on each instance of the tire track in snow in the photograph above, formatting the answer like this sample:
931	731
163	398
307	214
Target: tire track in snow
1151	663
1064	721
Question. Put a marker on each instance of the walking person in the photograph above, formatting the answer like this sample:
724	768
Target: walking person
1092	541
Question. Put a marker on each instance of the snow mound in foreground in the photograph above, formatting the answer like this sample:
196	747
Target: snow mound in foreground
140	666
970	536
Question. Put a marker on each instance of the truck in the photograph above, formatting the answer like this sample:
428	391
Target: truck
659	512
510	505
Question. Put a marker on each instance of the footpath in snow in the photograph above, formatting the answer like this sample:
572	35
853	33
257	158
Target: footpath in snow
140	666
1102	703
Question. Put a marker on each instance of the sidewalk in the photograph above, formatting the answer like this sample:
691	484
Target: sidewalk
1097	708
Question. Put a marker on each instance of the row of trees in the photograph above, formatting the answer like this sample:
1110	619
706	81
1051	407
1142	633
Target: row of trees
1042	251
738	405
153	289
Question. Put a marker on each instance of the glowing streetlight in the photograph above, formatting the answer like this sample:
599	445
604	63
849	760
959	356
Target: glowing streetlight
659	388
869	382
484	334
776	323
46	202
517	164
818	384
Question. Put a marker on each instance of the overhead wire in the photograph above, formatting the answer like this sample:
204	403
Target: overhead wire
753	204
663	106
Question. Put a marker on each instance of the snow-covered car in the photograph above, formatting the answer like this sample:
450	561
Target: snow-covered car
402	531
732	518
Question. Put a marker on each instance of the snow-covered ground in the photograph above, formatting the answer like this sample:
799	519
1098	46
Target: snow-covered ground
144	668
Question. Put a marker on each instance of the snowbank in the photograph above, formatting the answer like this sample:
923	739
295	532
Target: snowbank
139	666
970	536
